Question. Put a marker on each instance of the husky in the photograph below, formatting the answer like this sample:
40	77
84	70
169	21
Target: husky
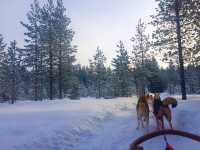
142	109
162	109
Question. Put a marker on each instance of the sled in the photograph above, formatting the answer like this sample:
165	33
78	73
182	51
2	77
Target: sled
136	144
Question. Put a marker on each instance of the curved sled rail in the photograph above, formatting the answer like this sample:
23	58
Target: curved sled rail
135	144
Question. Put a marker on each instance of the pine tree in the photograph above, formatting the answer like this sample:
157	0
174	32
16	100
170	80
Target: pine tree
48	38
141	46
180	51
99	71
191	79
154	79
2	49
169	36
11	67
2	57
56	38
121	70
109	84
190	10
75	89
33	52
91	79
64	38
83	76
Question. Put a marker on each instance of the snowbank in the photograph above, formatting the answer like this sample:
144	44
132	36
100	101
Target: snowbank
57	124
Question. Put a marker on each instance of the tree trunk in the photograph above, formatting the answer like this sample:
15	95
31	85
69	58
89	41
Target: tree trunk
41	74
50	74
13	92
50	42
60	72
35	86
13	79
36	73
181	62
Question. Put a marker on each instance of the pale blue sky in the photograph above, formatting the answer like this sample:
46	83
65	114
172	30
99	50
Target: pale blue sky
95	22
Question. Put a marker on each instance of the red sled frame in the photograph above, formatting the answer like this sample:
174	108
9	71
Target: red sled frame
135	144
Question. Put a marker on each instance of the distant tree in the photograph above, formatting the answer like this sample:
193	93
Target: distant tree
48	39
83	76
66	51
49	53
75	90
33	52
11	67
192	83
152	67
149	72
141	46
2	57
109	86
121	65
91	79
2	49
173	77
155	84
99	72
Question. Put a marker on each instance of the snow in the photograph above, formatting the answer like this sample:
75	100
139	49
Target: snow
88	124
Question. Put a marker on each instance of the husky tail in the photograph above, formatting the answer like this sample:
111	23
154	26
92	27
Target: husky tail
170	101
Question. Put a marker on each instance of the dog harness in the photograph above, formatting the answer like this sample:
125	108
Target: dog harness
156	106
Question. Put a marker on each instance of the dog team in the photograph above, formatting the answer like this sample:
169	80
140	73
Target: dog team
160	109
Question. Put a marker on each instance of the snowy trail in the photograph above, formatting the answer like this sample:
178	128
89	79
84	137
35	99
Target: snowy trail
87	125
115	134
118	133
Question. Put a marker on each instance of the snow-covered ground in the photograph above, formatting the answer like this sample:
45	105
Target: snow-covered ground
88	124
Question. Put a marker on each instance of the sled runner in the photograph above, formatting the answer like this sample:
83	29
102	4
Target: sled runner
137	142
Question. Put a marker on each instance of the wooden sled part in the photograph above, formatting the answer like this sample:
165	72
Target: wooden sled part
135	144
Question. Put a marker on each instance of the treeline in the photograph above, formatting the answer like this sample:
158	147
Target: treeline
46	67
43	68
176	36
171	79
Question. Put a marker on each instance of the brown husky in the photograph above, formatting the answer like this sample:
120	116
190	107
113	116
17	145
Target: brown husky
142	109
162	109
